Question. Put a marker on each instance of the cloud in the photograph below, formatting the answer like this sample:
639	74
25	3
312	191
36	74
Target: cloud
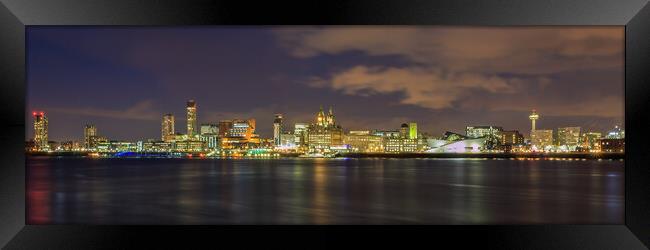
140	111
517	50
486	68
422	86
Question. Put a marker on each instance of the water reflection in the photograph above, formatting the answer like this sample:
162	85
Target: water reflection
320	202
323	191
38	194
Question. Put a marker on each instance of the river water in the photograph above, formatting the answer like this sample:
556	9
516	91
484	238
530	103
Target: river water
323	191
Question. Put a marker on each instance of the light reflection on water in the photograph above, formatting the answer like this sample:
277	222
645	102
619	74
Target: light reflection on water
323	191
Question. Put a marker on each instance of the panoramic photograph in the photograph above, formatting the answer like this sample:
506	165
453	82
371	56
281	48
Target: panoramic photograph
317	125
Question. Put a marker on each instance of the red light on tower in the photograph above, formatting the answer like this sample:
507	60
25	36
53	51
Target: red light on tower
42	113
34	113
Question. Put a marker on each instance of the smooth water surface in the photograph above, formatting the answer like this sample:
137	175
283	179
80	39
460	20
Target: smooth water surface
323	191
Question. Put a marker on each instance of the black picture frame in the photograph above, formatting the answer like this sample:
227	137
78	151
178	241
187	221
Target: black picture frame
15	15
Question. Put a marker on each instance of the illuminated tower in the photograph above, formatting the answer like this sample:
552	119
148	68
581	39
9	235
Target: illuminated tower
277	130
413	130
90	133
330	117
533	117
191	118
321	120
404	131
40	131
167	127
323	134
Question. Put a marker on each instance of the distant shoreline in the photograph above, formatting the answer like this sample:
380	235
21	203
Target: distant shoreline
490	155
603	155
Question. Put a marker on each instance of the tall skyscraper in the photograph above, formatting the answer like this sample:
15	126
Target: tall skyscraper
167	129
40	131
90	134
191	118
533	117
277	130
413	130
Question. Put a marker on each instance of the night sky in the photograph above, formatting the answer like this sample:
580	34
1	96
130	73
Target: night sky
124	79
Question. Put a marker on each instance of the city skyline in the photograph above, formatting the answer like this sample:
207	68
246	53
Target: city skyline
168	124
109	78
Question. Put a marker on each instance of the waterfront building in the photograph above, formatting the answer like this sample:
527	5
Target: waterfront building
240	134
90	135
177	137
92	138
434	143
568	138
156	146
224	127
404	131
167	127
400	145
451	136
491	134
189	146
239	143
242	128
211	140
616	133
277	130
100	138
30	145
53	145
41	142
70	146
413	130
591	141
451	142
209	128
363	141
265	143
300	133
386	133
324	133
483	131
464	145
404	140
287	139
612	145
116	146
511	137
191	118
541	140
209	135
